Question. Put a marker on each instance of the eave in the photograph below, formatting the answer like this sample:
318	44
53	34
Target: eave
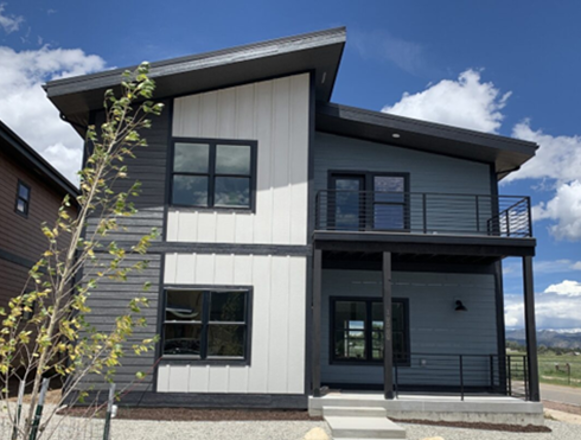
318	52
507	154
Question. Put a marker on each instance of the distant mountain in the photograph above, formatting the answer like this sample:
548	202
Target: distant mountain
548	338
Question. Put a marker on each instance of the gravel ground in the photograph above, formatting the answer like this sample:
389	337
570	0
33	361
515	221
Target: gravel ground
560	431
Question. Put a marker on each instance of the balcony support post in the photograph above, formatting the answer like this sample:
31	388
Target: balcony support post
387	337
316	310
531	330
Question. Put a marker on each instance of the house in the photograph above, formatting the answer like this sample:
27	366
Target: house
31	192
309	248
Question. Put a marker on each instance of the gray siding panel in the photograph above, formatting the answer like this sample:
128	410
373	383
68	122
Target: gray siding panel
428	172
109	300
435	327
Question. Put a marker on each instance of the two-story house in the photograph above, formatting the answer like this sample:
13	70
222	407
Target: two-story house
310	248
31	192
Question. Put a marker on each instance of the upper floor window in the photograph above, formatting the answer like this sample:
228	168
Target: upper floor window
22	198
208	324
213	173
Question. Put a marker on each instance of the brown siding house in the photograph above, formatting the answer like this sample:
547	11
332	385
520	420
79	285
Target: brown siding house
31	191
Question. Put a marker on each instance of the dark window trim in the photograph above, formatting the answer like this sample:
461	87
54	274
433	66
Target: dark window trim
184	359
26	201
368	181
211	174
368	300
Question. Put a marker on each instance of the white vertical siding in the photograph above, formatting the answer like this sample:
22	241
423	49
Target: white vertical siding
276	114
277	363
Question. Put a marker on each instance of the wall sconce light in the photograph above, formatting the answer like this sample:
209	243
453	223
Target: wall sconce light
460	307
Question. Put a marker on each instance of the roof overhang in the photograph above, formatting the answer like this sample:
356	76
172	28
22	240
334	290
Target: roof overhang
507	154
15	147
319	52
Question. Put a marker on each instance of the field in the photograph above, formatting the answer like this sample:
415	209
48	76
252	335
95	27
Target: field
564	369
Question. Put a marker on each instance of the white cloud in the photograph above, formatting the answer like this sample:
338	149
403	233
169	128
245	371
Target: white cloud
466	102
566	288
565	209
552	311
558	157
25	108
10	23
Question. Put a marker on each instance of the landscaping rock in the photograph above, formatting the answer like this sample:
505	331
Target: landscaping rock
316	434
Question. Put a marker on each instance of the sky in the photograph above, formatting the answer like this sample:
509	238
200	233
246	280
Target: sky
509	68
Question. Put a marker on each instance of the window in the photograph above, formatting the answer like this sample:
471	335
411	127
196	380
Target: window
389	202
22	198
207	324
213	174
357	326
368	200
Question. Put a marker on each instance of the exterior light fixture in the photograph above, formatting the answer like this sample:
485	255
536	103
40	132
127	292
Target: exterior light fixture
396	135
460	307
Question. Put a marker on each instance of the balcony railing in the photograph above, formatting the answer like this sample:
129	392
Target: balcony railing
423	213
468	374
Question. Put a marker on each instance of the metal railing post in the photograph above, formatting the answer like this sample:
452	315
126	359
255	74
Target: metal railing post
509	374
491	372
461	379
525	377
507	223
530	217
477	214
396	382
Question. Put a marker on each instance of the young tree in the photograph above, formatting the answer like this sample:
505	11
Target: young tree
46	330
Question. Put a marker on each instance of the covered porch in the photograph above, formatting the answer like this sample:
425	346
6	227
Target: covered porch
367	291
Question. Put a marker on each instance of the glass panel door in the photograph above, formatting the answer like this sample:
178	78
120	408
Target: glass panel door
347	202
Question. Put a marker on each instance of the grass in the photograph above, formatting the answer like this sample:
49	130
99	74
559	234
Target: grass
553	370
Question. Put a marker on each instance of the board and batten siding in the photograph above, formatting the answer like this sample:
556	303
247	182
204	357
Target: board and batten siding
276	114
277	362
435	327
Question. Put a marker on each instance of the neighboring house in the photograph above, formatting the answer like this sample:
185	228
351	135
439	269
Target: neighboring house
31	192
288	222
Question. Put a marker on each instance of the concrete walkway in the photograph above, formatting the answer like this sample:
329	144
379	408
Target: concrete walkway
561	394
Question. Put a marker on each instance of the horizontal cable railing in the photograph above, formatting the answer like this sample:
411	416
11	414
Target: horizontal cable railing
423	213
462	374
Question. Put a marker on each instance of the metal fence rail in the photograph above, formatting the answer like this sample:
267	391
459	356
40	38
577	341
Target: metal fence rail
463	374
424	213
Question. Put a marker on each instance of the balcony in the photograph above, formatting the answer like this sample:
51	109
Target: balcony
423	213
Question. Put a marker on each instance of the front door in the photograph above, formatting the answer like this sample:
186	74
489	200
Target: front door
347	202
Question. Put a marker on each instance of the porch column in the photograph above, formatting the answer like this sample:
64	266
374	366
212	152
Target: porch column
531	329
387	344
317	273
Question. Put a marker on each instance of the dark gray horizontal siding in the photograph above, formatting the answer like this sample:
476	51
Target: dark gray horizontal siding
149	168
108	301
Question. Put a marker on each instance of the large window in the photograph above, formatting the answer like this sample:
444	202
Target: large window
357	326
207	324
22	199
213	173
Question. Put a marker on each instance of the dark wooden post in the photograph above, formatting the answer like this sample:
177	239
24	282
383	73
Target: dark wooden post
531	329
387	337
317	274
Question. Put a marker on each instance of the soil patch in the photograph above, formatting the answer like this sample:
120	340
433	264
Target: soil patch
477	425
571	409
192	414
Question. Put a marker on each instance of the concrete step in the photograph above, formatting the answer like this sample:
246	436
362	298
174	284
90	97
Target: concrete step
353	411
364	428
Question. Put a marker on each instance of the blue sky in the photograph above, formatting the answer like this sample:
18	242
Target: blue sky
511	68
